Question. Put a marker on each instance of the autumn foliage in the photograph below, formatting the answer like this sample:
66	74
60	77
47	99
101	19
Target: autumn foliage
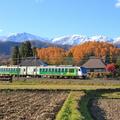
54	55
51	55
111	67
98	49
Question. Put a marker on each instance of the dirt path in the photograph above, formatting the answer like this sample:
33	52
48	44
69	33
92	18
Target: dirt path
30	105
106	109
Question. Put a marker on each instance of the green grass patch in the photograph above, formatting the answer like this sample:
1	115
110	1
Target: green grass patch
113	95
62	84
34	81
54	87
70	109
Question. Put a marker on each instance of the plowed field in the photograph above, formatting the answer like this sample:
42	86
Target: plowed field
30	105
106	109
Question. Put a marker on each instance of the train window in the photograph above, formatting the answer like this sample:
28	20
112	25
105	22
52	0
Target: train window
62	69
34	70
58	69
40	70
71	70
52	69
49	70
55	69
17	69
65	69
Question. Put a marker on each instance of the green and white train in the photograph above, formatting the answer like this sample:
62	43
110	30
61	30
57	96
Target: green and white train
44	71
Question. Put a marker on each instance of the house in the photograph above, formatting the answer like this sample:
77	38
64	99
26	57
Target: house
32	62
95	65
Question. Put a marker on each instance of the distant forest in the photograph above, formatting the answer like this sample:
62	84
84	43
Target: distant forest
79	54
76	55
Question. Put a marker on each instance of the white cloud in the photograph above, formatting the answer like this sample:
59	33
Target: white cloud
117	5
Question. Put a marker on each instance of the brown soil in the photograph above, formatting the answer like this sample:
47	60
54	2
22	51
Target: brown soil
106	109
30	105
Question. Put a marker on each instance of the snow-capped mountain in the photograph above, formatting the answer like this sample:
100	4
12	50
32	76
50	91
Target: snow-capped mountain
21	37
3	38
116	42
70	40
79	39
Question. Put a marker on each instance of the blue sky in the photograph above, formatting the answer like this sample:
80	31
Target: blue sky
54	18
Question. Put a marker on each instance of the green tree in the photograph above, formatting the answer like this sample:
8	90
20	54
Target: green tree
26	49
15	55
107	58
22	49
29	51
68	60
34	51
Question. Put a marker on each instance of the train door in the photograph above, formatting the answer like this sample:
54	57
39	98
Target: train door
23	71
32	71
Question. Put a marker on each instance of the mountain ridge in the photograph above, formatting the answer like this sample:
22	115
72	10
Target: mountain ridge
8	42
74	39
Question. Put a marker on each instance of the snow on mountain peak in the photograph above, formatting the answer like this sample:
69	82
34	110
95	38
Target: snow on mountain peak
78	39
21	37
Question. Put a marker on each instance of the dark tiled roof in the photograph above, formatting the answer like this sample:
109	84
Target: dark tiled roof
94	63
32	62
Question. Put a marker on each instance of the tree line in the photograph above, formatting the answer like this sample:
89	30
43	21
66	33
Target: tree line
79	54
76	55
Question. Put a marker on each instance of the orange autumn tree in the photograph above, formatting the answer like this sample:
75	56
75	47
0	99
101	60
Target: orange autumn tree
51	55
98	49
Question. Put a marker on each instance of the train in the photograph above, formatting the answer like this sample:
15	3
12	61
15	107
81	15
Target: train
44	71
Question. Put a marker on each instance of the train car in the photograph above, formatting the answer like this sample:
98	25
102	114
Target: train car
62	71
44	71
9	70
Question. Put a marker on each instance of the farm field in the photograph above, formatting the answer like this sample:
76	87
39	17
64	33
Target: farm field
30	105
106	109
59	99
60	84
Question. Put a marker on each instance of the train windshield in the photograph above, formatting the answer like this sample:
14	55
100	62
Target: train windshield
83	69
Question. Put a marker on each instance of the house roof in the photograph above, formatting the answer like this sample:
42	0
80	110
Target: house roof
94	63
32	62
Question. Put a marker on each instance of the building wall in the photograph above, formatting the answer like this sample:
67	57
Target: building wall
96	70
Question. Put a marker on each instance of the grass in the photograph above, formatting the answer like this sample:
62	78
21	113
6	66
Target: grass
70	110
113	95
84	102
62	84
56	87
